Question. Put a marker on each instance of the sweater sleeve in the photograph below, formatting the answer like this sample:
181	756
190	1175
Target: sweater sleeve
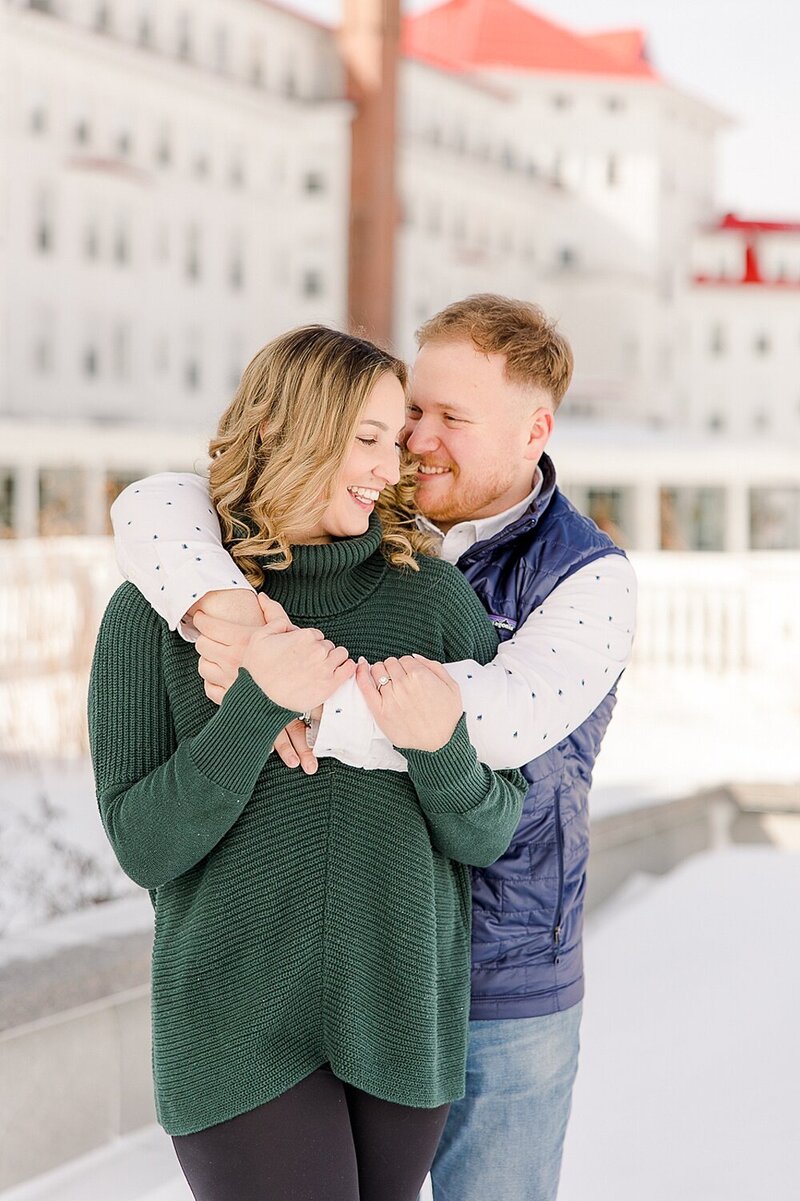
164	804
471	811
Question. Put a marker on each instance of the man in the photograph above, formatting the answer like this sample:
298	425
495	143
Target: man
488	379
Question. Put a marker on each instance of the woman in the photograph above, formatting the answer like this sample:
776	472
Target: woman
311	957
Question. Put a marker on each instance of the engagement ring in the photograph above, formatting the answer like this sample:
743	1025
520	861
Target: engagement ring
383	681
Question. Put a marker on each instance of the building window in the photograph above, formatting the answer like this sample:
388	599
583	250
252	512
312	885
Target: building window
184	37
7	503
508	159
44	234
762	345
775	518
692	518
290	81
193	266
311	284
124	143
615	104
236	173
37	120
102	19
41	6
313	182
115	483
164	150
611	511
612	171
144	33
82	132
122	247
192	375
561	101
761	421
717	343
258	76
567	257
62	501
91	362
91	241
716	423
200	165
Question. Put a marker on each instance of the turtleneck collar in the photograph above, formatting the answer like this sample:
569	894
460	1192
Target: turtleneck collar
329	577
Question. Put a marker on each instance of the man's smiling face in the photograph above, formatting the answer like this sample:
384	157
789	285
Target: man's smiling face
476	434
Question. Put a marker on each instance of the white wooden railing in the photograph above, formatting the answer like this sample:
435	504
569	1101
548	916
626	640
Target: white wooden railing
700	615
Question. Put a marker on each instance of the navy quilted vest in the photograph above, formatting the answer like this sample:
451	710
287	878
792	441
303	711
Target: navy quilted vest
528	907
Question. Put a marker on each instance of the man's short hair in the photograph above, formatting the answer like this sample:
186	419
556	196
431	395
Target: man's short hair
536	353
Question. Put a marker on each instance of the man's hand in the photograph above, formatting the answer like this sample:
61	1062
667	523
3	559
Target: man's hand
224	635
297	668
421	705
292	745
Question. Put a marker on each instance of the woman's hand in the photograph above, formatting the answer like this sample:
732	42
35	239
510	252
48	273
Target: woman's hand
421	705
298	669
224	628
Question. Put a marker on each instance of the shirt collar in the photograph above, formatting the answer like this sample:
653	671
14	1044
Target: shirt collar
461	537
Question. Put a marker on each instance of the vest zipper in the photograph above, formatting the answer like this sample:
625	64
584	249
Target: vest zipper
560	893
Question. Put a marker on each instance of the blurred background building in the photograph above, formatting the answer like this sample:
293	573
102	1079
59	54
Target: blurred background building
176	189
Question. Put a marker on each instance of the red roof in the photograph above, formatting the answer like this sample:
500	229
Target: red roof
500	33
626	45
752	274
738	224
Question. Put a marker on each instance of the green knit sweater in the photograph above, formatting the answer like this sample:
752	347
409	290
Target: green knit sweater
299	920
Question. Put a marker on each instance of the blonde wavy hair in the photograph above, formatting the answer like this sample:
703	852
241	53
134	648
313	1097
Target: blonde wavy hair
283	439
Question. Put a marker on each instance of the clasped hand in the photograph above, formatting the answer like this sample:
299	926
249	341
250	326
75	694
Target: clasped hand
297	668
301	669
419	707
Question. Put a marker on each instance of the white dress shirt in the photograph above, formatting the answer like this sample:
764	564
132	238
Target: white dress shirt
545	681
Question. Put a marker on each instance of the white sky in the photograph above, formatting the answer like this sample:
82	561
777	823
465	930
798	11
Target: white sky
741	55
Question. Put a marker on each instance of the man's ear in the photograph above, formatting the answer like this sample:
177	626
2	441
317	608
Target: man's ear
541	427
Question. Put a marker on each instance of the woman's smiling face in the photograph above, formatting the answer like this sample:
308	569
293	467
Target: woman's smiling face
372	464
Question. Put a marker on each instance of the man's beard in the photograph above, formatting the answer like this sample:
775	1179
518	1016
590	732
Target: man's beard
462	499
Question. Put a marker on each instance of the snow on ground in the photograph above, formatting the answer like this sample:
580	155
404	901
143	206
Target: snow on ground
142	1167
54	855
689	1085
669	739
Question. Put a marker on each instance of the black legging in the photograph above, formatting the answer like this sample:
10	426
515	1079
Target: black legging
320	1141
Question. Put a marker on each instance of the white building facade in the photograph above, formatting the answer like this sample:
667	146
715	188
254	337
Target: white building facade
174	189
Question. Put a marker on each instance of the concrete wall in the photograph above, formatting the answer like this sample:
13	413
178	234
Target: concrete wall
74	1017
74	1048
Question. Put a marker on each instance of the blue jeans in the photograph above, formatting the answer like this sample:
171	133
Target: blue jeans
503	1140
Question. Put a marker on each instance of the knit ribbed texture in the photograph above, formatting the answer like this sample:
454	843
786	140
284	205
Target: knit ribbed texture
299	919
